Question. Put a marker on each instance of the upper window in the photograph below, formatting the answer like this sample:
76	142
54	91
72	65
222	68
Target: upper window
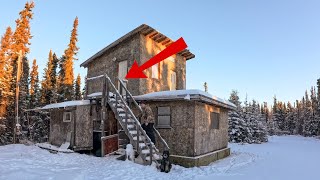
214	120
155	71
173	77
164	117
67	116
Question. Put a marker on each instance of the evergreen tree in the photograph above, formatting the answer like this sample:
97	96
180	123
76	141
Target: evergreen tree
78	95
238	130
48	85
61	76
20	42
5	70
34	86
69	55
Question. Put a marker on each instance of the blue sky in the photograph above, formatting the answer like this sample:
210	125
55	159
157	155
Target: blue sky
262	48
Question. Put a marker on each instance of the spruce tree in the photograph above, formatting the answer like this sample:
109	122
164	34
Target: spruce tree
69	55
238	130
34	86
48	83
78	95
5	70
20	42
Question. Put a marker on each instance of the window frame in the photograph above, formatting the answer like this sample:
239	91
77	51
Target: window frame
65	116
166	126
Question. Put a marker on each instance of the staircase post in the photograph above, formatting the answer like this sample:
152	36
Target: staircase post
138	134
103	113
151	153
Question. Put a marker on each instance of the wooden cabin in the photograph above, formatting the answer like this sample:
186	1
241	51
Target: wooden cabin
191	123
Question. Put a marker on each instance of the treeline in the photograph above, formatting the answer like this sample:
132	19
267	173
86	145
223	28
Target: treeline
58	83
251	123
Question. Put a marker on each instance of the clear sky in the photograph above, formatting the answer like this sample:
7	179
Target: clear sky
262	48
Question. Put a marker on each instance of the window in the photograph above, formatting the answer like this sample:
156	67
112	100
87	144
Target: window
155	71
173	81
67	116
214	120
164	117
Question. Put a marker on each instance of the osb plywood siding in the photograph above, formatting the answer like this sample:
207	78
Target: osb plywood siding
180	137
84	127
127	50
58	128
110	125
150	48
207	139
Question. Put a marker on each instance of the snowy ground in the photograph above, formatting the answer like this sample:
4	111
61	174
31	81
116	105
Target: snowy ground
286	157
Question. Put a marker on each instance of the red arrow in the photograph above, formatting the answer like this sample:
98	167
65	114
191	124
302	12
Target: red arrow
174	48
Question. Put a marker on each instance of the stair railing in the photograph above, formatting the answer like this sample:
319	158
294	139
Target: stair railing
129	95
118	97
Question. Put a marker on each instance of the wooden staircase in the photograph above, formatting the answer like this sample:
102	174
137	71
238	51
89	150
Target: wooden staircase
120	101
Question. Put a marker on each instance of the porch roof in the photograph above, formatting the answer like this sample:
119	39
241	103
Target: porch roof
191	94
65	104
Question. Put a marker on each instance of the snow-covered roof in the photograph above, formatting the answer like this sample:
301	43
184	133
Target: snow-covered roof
96	94
183	94
66	104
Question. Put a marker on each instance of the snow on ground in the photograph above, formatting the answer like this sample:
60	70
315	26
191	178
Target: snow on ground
286	157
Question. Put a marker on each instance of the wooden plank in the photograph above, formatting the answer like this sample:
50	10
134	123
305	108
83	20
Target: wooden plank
153	34
166	41
148	31
161	39
156	37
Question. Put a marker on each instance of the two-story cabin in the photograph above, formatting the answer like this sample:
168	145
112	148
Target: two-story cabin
193	123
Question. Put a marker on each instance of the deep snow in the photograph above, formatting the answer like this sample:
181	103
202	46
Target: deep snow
286	157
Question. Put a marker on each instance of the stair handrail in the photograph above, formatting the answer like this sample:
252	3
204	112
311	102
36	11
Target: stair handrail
137	105
130	95
161	138
130	112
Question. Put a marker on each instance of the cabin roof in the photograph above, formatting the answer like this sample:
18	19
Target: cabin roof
146	31
66	104
191	94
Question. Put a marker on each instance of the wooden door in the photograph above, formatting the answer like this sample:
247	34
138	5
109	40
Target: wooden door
122	72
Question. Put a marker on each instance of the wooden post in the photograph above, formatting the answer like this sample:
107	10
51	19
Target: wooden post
19	69
103	114
86	93
138	134
151	152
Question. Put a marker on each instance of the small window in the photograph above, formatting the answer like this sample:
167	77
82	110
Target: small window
164	117
215	120
155	71
67	116
173	81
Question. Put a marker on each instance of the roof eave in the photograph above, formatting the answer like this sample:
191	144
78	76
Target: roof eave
145	30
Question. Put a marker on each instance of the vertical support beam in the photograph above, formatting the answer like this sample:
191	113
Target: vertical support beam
138	135
151	152
86	93
19	69
103	113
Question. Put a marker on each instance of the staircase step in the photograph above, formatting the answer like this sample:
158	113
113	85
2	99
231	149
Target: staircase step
141	138
120	109
128	120
155	157
124	115
145	151
133	132
130	126
142	145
